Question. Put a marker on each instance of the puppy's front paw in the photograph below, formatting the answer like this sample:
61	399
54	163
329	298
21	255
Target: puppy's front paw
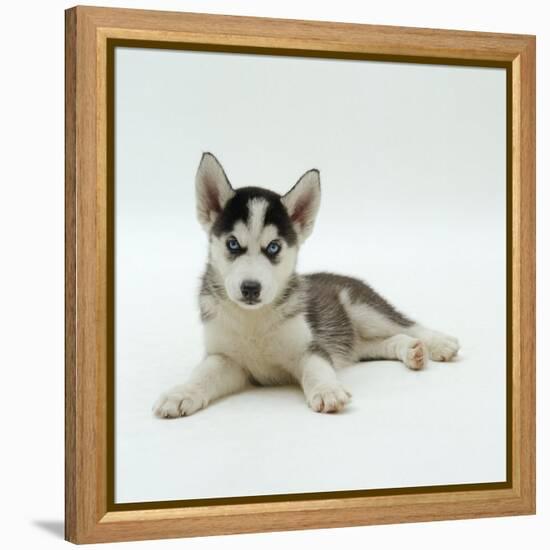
442	347
328	397
179	401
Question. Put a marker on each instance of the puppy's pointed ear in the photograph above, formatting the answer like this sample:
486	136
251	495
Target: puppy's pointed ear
302	203
212	189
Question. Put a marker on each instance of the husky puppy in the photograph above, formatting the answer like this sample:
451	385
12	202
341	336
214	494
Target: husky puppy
265	324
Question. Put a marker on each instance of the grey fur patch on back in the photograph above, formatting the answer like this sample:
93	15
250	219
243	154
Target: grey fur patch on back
359	293
332	328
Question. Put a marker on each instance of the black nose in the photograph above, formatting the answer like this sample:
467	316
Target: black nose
251	290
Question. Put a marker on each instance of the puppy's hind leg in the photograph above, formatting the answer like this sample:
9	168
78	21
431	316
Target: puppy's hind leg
442	347
376	319
409	350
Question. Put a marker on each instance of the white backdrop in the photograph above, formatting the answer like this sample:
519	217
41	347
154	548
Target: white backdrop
412	161
31	292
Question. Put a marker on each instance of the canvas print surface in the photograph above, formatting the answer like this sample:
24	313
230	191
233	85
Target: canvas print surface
387	370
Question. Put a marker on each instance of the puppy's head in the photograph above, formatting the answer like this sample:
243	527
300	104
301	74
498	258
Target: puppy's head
254	233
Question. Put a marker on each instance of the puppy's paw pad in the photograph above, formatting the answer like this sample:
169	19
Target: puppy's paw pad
416	355
178	402
329	398
443	347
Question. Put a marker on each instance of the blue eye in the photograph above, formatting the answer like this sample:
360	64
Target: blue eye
273	248
233	244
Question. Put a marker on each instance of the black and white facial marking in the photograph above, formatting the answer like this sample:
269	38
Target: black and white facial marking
254	233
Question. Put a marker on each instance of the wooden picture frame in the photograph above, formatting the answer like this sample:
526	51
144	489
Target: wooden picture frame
91	35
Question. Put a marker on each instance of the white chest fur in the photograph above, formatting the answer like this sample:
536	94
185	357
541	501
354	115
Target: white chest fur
261	341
